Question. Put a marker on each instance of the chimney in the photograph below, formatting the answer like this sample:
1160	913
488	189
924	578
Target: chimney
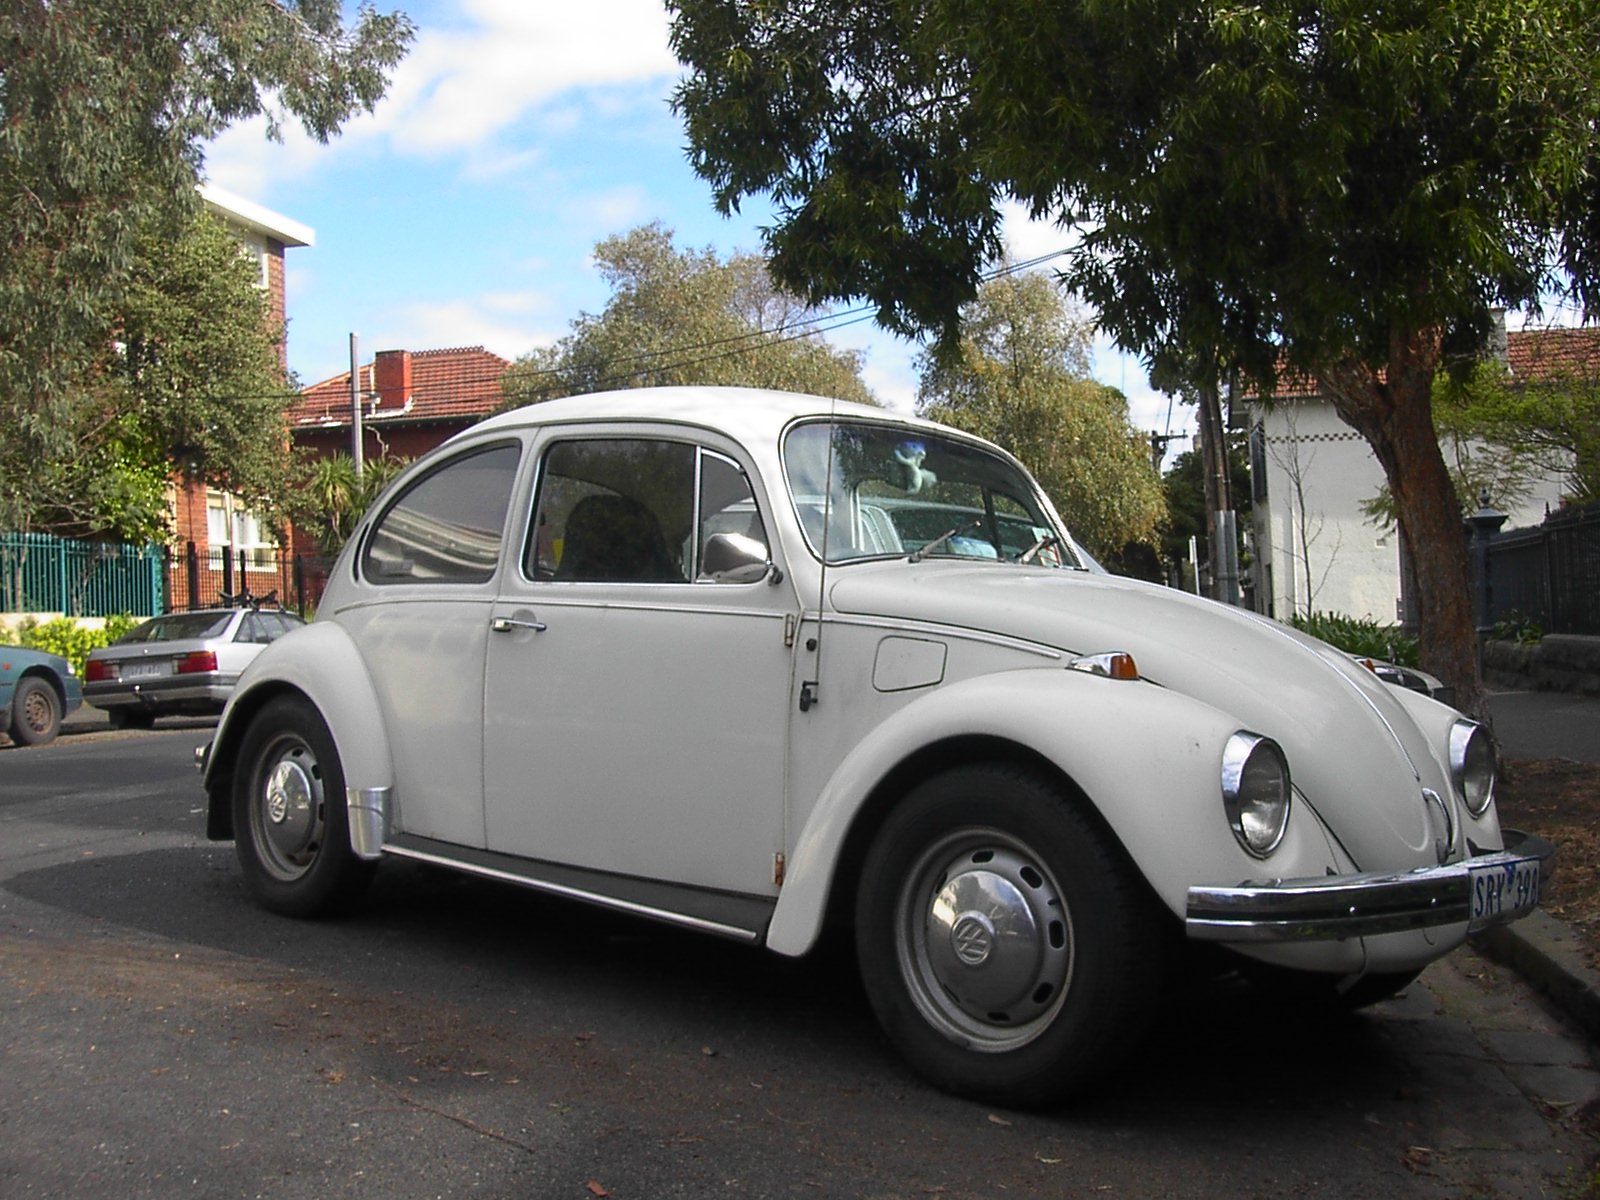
391	370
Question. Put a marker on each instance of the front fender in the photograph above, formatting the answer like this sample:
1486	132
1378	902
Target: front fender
1148	759
320	663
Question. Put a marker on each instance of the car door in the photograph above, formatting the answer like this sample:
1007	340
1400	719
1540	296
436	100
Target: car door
427	579
639	672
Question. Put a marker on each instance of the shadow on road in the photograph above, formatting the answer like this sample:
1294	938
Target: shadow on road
436	936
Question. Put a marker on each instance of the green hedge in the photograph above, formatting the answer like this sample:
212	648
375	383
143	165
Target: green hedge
72	641
1357	635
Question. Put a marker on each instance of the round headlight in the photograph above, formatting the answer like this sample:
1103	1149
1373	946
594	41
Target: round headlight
1255	791
1472	765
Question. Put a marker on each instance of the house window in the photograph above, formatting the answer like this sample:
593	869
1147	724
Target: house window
232	529
256	251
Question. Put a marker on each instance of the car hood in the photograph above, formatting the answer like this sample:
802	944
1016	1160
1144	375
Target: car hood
1354	751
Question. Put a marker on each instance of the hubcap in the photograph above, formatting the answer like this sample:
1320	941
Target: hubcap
985	940
36	711
290	809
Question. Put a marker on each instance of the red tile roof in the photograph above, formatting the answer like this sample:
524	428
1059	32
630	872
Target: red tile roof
458	385
1533	355
1536	354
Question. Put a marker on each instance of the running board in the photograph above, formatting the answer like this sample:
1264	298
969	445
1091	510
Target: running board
726	914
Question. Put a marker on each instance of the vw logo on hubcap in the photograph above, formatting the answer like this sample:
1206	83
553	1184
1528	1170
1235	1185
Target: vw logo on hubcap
972	937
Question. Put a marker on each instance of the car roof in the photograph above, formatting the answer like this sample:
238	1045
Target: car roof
750	415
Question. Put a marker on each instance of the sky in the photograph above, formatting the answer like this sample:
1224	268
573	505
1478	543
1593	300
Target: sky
515	135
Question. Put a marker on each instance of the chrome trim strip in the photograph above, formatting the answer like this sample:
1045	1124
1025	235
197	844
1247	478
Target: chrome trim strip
589	897
369	820
1346	906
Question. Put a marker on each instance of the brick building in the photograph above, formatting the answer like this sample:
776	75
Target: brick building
215	521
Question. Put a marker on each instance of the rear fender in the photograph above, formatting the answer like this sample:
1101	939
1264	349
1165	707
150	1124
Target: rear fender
1148	759
319	663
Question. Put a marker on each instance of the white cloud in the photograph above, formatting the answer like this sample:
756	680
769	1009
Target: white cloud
472	74
504	322
1027	239
461	85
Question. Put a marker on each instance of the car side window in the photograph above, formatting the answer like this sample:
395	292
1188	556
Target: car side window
613	510
731	543
447	527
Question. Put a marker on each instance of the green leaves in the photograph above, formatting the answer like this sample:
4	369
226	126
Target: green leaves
686	317
1020	378
104	109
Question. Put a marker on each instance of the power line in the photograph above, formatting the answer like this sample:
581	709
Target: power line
721	348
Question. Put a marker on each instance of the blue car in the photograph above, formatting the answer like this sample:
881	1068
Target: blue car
36	691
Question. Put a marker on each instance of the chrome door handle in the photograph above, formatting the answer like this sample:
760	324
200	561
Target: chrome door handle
507	624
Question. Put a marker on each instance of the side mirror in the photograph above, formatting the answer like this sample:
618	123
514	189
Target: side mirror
734	558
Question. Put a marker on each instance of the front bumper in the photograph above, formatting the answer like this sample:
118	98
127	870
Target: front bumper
1349	906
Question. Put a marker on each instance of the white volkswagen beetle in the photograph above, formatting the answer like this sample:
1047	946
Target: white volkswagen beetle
753	663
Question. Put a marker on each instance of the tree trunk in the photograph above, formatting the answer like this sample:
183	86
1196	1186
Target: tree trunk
1394	413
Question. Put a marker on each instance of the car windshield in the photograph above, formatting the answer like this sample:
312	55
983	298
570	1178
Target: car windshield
891	490
175	627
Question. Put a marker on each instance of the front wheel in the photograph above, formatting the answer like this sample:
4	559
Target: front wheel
290	823
35	712
1008	948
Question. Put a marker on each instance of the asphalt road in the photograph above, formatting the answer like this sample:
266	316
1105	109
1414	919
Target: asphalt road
161	1037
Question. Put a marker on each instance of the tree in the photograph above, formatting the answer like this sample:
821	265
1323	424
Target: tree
1334	189
194	382
1020	377
681	317
1184	488
105	107
331	495
1549	424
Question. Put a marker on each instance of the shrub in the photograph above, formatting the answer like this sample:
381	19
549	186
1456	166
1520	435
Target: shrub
1515	627
71	640
1358	635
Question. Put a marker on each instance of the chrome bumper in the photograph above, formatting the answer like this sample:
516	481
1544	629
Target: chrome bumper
1346	906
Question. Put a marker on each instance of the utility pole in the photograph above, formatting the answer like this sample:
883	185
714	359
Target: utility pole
1223	527
356	436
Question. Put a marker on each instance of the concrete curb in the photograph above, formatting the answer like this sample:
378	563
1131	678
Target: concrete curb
1550	956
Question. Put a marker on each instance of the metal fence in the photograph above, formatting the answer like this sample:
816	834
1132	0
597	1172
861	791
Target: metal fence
87	579
1548	574
39	573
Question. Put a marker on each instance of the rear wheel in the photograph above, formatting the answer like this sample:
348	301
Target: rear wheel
1009	950
35	712
291	829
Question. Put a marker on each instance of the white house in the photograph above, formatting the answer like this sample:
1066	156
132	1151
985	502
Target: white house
1314	548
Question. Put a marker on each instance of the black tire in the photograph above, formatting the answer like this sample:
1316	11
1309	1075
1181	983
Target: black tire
35	712
291	828
1008	948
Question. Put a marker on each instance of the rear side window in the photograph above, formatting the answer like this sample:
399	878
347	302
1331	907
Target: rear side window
447	526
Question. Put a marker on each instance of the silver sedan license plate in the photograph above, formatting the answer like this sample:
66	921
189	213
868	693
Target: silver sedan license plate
1503	892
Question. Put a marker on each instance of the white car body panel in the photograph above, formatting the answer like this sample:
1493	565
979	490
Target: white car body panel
666	732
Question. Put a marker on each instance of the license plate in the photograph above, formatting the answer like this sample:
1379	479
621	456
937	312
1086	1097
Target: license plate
146	670
1503	891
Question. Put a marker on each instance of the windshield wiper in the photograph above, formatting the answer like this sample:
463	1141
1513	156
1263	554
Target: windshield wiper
928	548
1048	539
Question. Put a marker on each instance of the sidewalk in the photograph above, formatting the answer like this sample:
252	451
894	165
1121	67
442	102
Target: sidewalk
1533	725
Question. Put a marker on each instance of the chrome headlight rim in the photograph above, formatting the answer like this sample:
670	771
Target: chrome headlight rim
1473	765
1249	762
